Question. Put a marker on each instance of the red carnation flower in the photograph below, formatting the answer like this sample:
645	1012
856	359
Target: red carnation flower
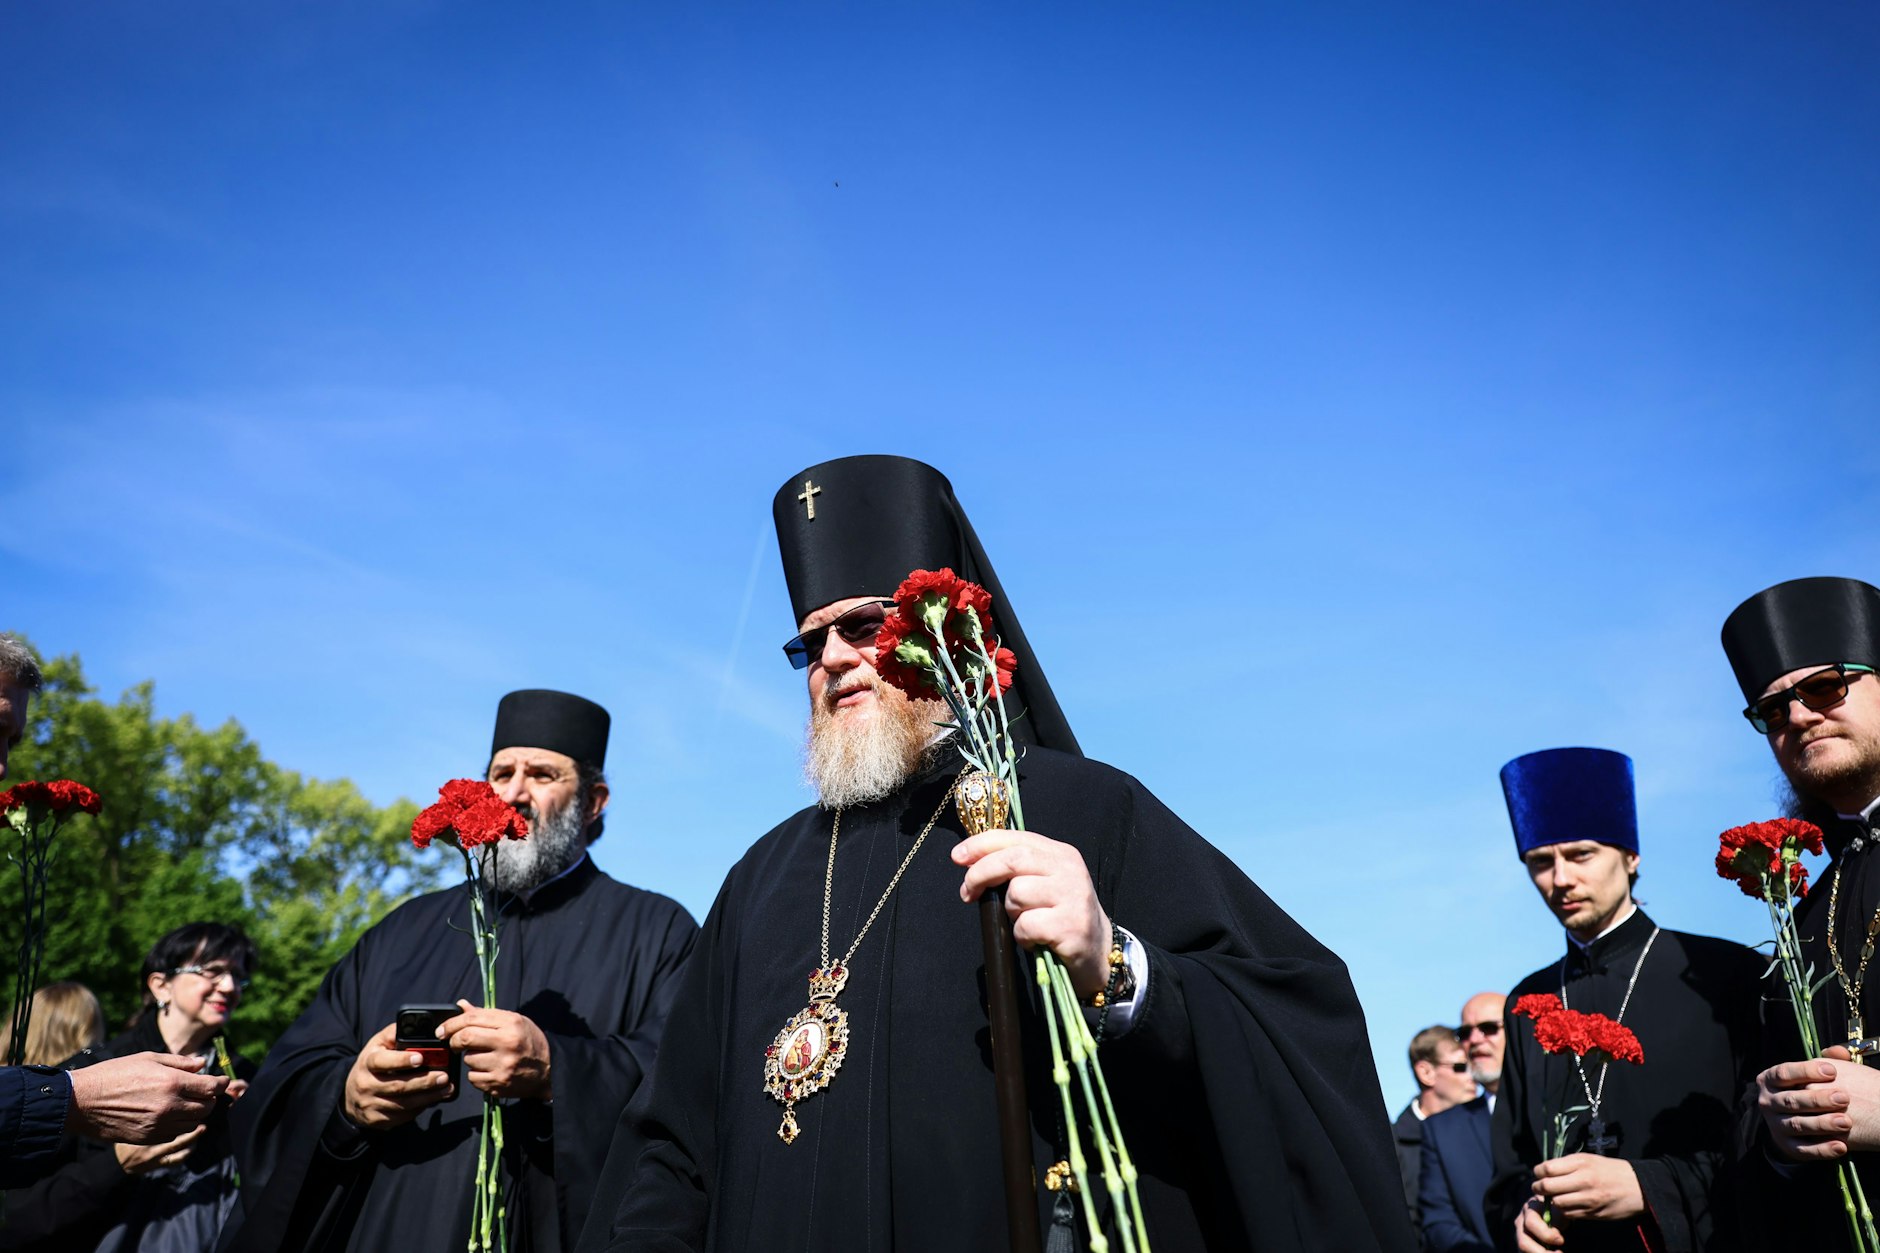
895	668
67	795
473	811
1537	1005
1764	858
1587	1035
942	583
1006	664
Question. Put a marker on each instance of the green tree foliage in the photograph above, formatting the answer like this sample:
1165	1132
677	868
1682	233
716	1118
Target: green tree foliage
198	825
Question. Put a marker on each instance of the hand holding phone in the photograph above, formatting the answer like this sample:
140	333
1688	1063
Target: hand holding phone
389	1086
417	1030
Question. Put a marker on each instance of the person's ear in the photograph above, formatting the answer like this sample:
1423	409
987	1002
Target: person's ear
597	800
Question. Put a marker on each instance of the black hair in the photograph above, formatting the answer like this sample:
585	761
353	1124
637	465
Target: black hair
586	776
197	943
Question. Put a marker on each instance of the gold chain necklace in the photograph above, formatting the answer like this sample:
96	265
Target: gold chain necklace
806	1054
1856	1041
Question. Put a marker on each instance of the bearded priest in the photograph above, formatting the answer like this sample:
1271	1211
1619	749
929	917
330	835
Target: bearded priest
344	1144
1238	1059
1650	1142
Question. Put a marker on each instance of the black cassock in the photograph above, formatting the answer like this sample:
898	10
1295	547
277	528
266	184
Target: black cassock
589	960
1801	1202
1245	1087
1695	1012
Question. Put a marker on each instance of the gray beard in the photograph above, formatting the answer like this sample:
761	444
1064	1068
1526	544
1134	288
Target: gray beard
555	843
858	765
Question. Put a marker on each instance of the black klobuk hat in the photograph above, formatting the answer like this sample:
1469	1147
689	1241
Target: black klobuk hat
858	526
1798	624
558	721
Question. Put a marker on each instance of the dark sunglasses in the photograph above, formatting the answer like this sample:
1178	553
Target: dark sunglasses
1824	689
1490	1029
858	629
1461	1068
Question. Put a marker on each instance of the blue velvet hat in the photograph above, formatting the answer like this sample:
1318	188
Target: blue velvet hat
1560	795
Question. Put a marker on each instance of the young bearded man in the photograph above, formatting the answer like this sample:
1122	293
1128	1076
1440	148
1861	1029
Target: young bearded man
1805	654
1441	1068
1458	1158
1237	1061
349	1144
1642	1168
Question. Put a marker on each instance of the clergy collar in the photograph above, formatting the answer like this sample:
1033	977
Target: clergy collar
552	893
1623	939
1864	826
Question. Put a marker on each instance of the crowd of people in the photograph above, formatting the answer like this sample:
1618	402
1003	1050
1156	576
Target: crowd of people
631	1045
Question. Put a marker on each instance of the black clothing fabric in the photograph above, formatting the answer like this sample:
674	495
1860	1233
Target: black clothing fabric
89	1197
34	1101
1805	1200
1695	1012
589	960
561	722
1244	1086
877	520
1458	1161
1803	622
1407	1131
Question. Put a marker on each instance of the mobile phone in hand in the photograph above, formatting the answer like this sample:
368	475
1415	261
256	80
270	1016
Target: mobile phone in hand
417	1030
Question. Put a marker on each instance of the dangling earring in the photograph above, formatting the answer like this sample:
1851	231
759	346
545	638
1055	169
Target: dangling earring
163	1007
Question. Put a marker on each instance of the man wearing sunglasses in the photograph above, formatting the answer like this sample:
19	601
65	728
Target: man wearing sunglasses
1644	1161
1805	654
1441	1068
1232	1042
1458	1161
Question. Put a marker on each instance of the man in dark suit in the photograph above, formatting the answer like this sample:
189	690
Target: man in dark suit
1442	1072
1457	1159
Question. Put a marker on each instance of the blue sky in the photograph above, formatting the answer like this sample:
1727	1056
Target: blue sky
1352	397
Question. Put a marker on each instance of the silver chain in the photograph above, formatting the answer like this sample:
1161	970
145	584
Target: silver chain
1595	1096
829	881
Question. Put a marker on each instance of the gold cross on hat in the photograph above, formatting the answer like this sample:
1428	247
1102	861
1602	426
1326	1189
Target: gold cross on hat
808	496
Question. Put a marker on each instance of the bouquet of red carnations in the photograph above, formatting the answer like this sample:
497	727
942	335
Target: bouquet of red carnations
470	811
1593	1037
941	642
1765	860
34	812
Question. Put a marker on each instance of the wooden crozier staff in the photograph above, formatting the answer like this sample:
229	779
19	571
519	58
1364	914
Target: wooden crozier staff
982	805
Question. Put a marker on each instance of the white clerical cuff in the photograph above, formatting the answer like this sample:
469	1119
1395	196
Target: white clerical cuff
1123	1013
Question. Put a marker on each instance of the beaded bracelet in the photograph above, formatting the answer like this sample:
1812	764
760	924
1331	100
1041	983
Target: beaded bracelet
1104	999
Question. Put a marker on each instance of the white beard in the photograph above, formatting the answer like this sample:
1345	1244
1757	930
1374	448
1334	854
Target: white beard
854	765
555	843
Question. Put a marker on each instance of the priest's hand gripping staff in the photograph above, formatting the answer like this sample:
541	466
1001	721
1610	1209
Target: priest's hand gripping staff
472	812
940	641
1765	860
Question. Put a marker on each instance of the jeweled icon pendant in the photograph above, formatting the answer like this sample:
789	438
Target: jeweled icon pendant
806	1054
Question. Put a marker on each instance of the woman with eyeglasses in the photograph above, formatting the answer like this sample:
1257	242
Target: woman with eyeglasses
172	1197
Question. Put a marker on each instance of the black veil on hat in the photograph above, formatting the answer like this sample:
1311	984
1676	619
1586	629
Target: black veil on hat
1802	623
558	721
858	526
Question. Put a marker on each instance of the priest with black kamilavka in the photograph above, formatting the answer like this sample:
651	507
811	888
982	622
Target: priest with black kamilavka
350	1141
1805	654
1648	1142
1232	1041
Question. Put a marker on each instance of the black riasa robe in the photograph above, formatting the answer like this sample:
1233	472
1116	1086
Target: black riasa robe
1695	1012
1245	1086
589	960
1800	1202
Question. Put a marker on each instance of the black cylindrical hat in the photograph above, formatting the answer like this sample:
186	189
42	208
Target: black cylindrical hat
858	526
1802	623
558	721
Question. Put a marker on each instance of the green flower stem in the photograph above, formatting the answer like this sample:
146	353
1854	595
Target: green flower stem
1860	1221
1061	1077
488	1225
1083	1049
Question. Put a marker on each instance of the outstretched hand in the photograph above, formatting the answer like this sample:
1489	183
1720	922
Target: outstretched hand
1049	895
